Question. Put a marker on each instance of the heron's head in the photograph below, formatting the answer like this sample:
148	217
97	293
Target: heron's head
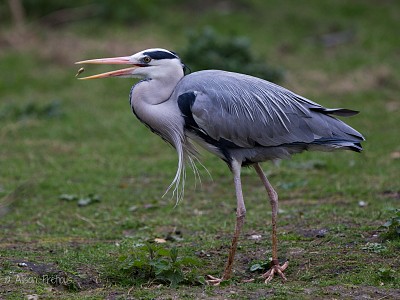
150	63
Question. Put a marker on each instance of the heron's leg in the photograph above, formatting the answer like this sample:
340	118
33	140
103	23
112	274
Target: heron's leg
273	196
240	216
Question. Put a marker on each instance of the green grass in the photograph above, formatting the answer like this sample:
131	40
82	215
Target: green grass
63	136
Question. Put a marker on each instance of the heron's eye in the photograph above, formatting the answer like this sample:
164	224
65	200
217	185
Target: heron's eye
146	59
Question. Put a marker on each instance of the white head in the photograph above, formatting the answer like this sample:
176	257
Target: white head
151	63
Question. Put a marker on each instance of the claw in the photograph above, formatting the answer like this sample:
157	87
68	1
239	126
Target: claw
276	269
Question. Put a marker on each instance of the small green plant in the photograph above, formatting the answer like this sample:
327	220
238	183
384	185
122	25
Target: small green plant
151	262
374	247
209	50
386	274
260	266
392	226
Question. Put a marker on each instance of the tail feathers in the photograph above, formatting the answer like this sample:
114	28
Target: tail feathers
343	112
332	144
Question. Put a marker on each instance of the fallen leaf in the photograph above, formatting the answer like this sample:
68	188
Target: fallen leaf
395	155
90	199
84	201
68	197
133	208
160	241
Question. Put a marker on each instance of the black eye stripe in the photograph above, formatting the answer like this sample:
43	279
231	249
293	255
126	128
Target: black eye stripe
160	54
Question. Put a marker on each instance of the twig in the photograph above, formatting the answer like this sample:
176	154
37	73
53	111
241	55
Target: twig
86	220
18	13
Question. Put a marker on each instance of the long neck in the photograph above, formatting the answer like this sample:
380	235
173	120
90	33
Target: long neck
151	102
150	92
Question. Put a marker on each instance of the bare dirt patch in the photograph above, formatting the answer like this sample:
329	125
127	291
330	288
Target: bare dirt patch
361	292
51	275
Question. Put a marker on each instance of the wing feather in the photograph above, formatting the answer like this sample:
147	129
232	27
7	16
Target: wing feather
249	111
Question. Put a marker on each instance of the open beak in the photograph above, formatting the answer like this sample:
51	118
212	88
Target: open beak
123	60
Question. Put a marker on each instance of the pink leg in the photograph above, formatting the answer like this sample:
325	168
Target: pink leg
273	196
240	216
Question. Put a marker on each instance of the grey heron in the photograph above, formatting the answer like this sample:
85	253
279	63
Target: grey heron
242	119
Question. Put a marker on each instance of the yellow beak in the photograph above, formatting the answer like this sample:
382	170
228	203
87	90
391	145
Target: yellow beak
123	60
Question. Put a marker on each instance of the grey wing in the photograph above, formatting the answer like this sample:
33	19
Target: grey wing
248	111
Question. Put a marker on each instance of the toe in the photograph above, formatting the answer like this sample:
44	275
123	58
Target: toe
213	280
285	265
269	275
279	271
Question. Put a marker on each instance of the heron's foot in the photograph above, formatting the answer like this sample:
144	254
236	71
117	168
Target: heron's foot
275	269
214	280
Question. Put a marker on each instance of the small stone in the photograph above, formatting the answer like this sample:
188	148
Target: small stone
321	233
362	203
255	237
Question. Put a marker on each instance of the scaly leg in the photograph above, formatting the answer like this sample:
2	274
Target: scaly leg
240	215
273	196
